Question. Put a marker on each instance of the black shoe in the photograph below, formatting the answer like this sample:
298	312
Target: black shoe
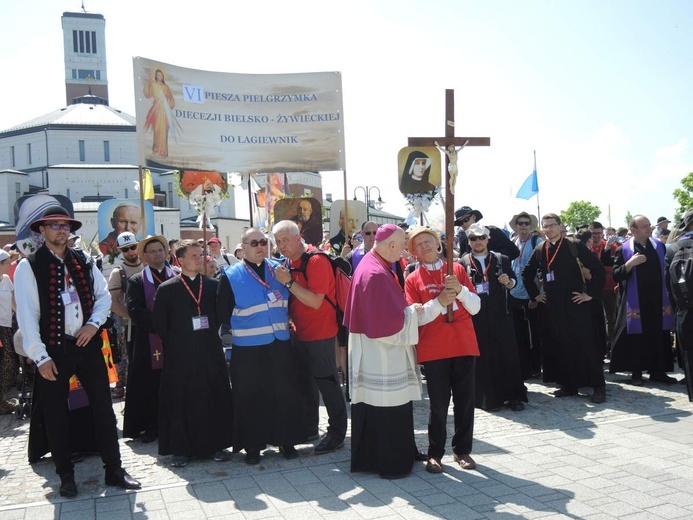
120	478
565	391
661	377
420	456
148	437
599	395
328	445
179	461
222	455
313	437
252	457
636	379
516	406
68	487
288	451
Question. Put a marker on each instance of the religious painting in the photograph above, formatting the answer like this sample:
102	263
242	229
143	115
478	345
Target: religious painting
306	213
419	169
29	208
345	220
116	216
194	182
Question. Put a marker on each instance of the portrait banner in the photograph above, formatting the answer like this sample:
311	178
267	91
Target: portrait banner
418	169
306	212
247	123
118	215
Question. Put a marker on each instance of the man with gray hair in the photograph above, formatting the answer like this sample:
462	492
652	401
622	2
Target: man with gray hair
311	282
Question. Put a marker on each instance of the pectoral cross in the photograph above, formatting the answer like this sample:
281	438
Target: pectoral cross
157	354
449	144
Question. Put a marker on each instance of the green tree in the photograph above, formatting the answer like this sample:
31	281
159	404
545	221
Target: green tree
579	213
684	196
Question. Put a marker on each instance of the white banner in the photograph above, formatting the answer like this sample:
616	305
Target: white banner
248	123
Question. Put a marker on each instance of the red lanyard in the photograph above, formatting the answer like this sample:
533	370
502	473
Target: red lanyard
254	274
199	294
524	244
488	266
597	250
549	262
156	277
440	284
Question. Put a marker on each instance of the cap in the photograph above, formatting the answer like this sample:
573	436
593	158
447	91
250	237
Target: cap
385	231
477	230
419	230
55	213
126	239
239	247
663	219
4	255
213	240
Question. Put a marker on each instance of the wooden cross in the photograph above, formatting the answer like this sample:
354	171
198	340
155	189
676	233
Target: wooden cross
450	141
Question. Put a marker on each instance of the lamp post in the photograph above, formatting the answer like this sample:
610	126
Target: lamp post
377	204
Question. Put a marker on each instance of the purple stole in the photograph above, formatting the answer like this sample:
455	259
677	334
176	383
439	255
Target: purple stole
633	319
155	344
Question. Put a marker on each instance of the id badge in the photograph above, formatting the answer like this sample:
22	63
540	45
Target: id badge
200	322
274	296
550	276
69	297
482	288
518	270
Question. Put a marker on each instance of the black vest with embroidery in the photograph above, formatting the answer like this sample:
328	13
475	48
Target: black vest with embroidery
50	282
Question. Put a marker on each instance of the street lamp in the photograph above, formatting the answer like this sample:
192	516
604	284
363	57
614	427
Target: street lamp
377	204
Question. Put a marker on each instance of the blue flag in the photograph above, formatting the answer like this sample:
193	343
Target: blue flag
530	187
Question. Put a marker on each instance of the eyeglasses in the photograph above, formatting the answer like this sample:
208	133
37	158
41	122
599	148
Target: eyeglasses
475	238
128	248
368	233
548	226
522	223
56	227
466	219
255	243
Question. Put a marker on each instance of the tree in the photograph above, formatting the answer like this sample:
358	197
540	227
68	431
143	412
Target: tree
579	213
684	196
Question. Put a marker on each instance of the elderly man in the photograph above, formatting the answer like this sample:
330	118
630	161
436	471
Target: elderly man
311	282
308	221
447	350
61	307
267	401
498	372
645	316
525	313
346	229
383	329
118	286
126	217
195	397
571	357
144	371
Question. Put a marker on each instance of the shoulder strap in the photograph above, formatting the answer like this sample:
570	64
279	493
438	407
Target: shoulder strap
572	247
499	258
534	240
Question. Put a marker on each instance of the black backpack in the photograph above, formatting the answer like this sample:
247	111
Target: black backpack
681	276
341	269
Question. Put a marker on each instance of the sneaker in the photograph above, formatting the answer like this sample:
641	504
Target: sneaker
328	445
179	461
222	455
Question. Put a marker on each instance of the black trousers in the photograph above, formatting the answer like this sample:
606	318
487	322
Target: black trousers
88	364
526	323
445	377
318	360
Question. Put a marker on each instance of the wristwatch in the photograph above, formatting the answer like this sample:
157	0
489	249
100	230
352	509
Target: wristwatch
289	283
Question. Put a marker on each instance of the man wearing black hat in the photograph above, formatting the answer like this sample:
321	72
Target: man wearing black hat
63	304
498	241
662	224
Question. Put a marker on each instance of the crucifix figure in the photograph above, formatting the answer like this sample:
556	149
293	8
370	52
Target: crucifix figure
450	145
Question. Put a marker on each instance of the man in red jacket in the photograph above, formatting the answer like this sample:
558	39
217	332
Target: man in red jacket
448	350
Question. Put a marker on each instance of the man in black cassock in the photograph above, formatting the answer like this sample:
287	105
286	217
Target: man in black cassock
144	370
195	400
571	356
642	339
498	241
498	374
268	405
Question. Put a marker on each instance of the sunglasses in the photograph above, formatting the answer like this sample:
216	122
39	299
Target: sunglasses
255	243
522	223
56	227
128	248
368	233
466	219
475	238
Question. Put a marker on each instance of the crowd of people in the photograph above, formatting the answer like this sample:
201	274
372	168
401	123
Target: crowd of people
220	352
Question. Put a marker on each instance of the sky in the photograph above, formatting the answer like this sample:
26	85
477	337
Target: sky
601	90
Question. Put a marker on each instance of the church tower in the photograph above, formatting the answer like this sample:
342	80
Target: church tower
84	41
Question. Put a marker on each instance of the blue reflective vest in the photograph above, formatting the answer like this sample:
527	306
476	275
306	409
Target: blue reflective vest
256	320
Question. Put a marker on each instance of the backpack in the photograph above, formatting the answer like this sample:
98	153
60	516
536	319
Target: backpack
681	276
342	280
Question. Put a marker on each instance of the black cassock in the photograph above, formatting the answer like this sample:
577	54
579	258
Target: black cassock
684	320
650	350
195	407
498	374
571	354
